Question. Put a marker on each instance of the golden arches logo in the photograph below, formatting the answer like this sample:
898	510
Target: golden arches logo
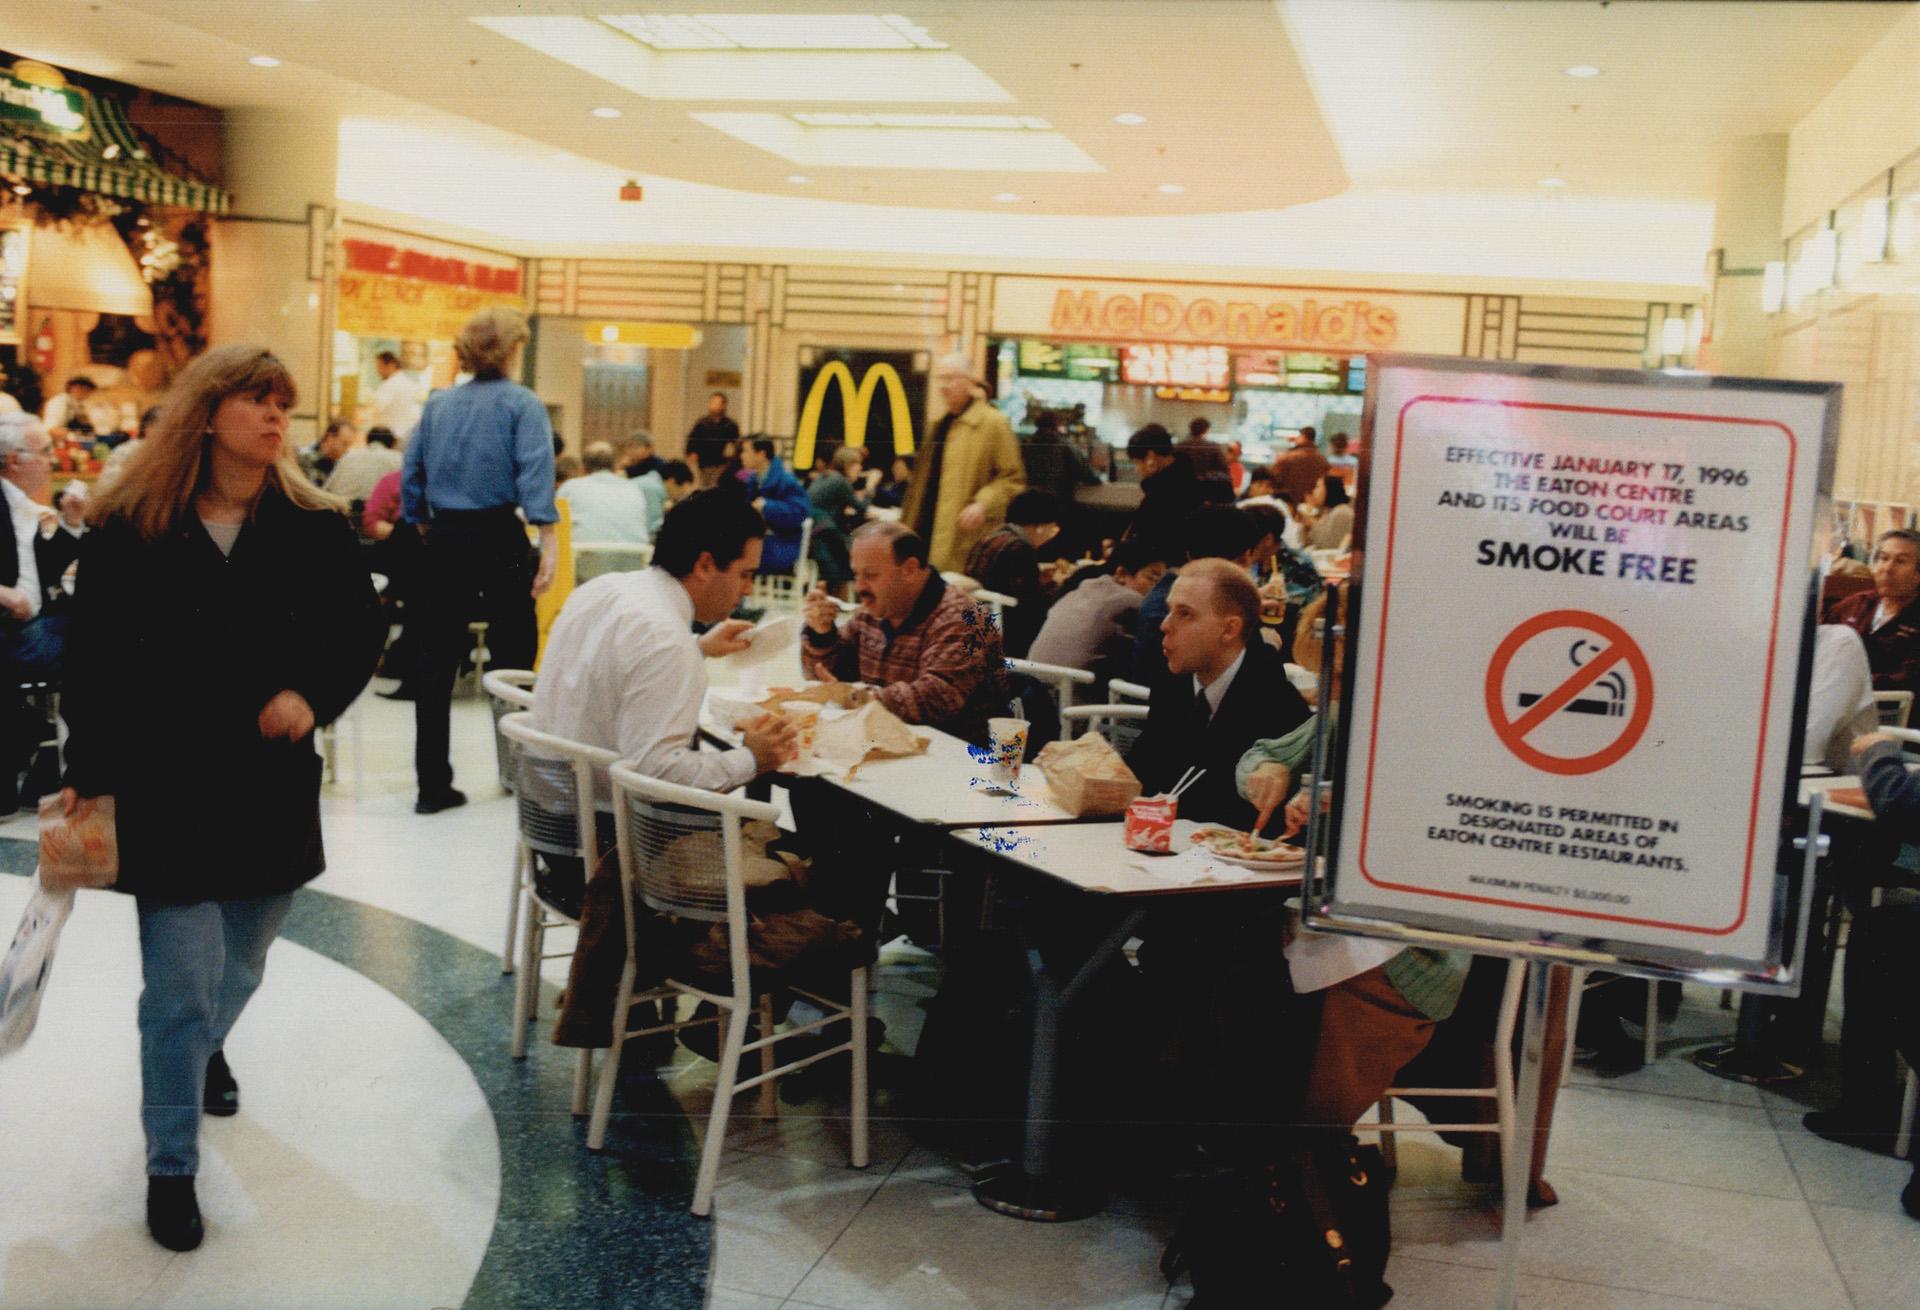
856	402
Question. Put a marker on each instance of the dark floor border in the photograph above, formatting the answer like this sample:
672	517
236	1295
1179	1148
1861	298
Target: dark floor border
574	1228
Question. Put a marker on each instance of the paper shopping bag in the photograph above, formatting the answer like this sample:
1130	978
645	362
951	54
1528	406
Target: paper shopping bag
23	973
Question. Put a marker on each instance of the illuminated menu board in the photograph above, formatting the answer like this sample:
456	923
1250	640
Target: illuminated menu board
1176	366
1075	359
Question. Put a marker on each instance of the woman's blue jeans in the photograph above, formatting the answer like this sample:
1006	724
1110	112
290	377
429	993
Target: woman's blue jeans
201	962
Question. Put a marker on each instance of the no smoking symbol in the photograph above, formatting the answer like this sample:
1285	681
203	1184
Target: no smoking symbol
1596	651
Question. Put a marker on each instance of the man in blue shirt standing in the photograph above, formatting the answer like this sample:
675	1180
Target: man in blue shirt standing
480	459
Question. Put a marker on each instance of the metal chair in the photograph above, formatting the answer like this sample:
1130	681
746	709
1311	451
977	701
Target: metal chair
1057	676
1501	1093
996	601
1893	708
508	691
680	854
1120	724
1650	1034
1129	691
554	793
593	558
788	588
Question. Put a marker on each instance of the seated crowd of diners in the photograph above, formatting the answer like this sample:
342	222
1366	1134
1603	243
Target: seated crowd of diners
623	670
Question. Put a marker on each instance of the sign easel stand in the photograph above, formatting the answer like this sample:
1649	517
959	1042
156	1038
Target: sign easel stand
1517	1165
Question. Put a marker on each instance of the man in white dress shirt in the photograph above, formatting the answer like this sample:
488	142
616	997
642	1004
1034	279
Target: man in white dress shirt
31	644
624	671
607	508
398	399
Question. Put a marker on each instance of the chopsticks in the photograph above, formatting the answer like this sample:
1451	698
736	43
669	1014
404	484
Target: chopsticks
1187	780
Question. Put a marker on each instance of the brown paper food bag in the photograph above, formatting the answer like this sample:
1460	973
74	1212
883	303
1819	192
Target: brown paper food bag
79	850
1087	776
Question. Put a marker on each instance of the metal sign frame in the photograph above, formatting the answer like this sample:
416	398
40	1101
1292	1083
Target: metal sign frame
1780	971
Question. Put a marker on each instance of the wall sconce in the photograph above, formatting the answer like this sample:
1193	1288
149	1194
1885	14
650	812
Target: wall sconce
1773	286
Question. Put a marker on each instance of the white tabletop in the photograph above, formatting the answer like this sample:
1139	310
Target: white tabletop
1094	858
1834	782
944	787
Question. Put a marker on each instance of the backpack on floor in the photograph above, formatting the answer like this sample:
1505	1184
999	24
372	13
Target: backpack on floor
1307	1230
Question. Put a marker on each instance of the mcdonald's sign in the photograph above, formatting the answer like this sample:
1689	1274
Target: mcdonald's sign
856	402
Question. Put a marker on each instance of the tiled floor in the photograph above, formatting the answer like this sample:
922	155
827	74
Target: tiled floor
366	1168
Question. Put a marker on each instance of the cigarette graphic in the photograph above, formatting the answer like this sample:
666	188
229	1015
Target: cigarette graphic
1613	708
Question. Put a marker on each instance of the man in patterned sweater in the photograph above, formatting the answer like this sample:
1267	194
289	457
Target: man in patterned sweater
934	654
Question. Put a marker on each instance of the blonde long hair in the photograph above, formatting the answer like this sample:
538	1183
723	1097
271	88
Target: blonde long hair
173	460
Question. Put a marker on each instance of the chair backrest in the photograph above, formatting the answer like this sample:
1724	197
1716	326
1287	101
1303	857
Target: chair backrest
1057	676
1893	708
680	851
507	690
554	789
1130	691
1120	724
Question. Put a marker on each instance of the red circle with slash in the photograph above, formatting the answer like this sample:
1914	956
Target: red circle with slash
1617	646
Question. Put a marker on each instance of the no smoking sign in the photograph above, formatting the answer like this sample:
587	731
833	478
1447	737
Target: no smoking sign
1569	692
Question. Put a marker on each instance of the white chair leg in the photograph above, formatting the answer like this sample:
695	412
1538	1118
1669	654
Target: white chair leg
1909	1103
582	1080
1651	1040
857	990
513	908
736	1034
526	988
1576	988
1389	1148
769	1092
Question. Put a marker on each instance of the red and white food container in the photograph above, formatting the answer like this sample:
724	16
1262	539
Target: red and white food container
1150	824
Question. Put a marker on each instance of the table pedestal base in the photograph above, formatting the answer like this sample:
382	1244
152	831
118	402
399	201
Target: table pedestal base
1042	1200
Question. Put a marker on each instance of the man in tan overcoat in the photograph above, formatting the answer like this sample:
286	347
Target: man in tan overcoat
969	471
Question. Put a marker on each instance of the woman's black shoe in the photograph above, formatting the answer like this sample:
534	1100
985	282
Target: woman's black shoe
173	1213
222	1096
1910	1197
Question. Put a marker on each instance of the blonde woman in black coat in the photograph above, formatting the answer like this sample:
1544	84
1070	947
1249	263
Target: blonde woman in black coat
221	614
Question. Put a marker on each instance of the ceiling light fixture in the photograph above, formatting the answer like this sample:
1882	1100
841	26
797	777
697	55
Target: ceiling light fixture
798	179
1583	70
1007	197
1129	120
264	61
1553	181
22	189
970	122
1171	188
605	111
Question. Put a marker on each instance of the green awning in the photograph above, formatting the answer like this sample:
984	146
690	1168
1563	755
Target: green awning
112	159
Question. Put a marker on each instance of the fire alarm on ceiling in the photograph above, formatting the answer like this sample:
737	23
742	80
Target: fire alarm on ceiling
632	190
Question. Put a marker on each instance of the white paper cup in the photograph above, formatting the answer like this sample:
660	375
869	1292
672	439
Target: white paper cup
1007	741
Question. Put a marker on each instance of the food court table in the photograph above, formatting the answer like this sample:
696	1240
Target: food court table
1089	857
943	787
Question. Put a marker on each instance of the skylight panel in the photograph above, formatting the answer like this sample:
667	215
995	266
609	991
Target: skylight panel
982	122
774	31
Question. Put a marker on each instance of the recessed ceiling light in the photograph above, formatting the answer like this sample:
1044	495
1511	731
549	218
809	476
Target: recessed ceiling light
1171	188
264	61
606	112
1007	197
1553	181
1129	120
1583	70
798	179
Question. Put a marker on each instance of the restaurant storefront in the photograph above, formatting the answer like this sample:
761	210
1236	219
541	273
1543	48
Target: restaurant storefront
408	294
104	246
1260	360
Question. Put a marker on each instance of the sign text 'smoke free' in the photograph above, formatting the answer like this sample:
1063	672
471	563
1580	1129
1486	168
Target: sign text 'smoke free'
1577	649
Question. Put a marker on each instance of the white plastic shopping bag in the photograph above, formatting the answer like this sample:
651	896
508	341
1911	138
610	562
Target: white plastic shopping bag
29	960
